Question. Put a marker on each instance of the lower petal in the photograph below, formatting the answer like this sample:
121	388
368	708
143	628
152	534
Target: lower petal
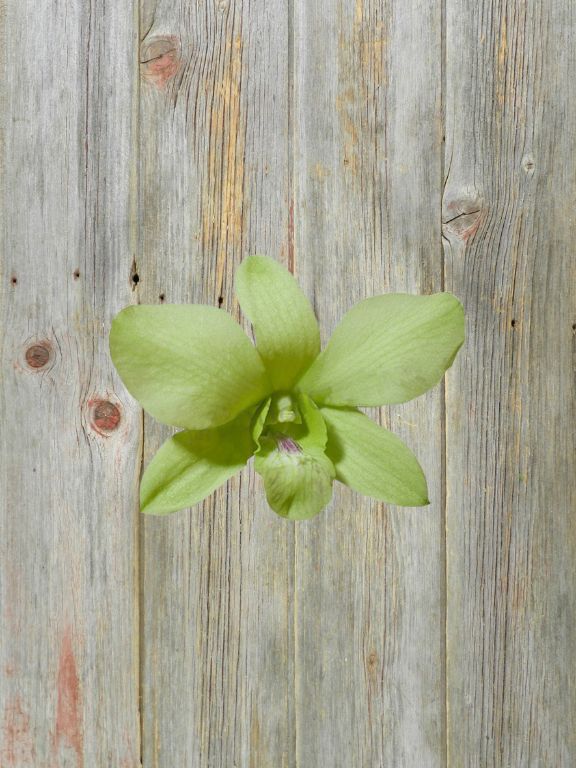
298	484
372	460
192	464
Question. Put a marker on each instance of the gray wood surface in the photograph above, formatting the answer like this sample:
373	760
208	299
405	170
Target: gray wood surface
511	454
217	633
70	436
145	149
369	612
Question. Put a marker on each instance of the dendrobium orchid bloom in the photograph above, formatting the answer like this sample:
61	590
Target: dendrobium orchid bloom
283	401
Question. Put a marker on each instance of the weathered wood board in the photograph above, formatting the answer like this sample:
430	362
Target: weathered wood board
371	146
369	580
217	634
510	428
70	436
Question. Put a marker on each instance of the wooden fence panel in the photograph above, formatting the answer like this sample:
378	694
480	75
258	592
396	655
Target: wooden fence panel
510	233
369	579
217	583
146	148
70	436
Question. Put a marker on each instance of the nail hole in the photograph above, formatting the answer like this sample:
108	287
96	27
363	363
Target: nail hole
513	323
14	280
220	301
161	297
76	274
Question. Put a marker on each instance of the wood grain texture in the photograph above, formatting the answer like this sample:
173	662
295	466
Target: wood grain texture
145	149
217	581
70	438
510	233
369	579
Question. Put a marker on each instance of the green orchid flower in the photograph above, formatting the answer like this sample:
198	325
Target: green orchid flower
283	401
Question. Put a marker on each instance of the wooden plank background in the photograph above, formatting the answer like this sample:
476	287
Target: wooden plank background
371	146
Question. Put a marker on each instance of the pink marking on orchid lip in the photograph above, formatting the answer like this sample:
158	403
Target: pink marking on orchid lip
69	703
287	445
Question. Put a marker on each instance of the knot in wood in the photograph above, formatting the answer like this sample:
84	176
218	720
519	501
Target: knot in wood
372	665
38	355
160	59
462	216
528	164
105	416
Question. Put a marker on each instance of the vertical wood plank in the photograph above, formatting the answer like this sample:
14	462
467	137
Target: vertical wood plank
510	233
70	438
217	629
369	579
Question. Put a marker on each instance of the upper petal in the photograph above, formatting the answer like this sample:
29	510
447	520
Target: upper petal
188	365
372	460
287	335
387	349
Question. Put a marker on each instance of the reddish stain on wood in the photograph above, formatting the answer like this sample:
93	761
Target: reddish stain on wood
38	355
372	666
464	226
105	415
464	216
160	60
68	731
468	232
291	264
17	746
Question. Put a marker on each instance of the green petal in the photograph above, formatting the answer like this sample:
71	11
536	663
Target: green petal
285	327
298	486
297	473
372	460
259	419
387	349
189	365
190	465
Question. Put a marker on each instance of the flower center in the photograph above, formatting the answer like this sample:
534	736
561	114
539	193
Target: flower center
283	409
283	424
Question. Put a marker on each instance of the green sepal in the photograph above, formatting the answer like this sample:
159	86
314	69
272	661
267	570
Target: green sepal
286	330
